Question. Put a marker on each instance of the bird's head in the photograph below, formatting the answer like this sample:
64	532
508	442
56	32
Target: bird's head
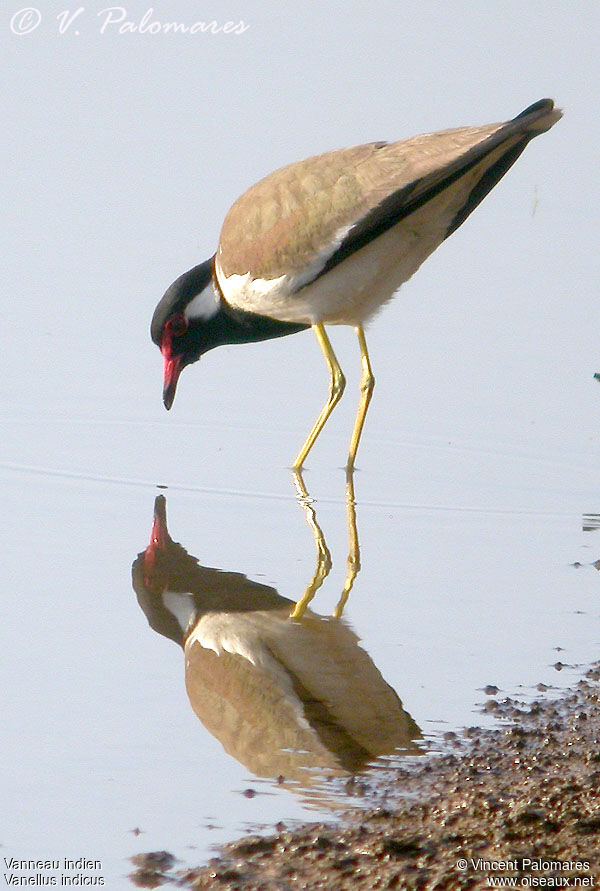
181	324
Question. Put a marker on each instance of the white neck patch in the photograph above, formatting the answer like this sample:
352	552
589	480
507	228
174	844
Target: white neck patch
181	606
204	305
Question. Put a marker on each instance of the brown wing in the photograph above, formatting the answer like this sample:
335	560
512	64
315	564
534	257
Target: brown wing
312	214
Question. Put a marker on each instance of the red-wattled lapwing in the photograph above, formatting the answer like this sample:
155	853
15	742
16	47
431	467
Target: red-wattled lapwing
327	241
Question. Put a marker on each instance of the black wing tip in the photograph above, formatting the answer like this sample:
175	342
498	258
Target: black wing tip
543	113
545	105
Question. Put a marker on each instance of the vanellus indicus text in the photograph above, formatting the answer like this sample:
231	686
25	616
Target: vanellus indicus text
327	241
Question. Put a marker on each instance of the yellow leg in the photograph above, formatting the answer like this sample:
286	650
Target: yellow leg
353	564
338	382
323	555
366	391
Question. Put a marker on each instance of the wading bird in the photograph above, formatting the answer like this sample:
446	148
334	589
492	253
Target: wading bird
327	241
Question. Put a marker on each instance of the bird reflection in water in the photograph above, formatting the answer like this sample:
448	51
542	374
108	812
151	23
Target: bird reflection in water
323	555
287	692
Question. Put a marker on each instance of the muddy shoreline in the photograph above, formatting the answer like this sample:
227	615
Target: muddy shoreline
517	806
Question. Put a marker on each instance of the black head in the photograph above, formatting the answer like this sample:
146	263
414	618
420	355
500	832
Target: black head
179	323
193	317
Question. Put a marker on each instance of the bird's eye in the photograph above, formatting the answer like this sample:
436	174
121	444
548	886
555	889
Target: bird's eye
177	325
